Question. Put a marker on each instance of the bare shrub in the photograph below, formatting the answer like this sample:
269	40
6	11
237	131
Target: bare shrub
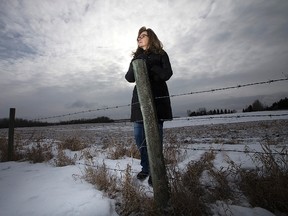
172	151
133	200
117	148
268	192
190	195
3	149
186	202
63	160
220	190
73	144
266	186
132	151
87	155
18	150
99	176
187	192
116	152
39	153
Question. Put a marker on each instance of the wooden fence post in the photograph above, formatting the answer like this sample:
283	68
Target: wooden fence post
11	134
153	140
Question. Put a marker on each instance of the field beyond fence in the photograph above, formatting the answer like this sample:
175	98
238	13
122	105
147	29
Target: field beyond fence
213	164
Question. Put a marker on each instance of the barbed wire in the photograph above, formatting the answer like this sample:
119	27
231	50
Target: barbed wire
108	168
232	150
228	117
171	96
194	149
230	87
207	185
82	112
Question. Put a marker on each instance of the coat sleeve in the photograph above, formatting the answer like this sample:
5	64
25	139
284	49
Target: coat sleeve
130	74
164	71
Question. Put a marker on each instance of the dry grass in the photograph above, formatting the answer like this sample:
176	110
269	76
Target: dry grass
190	195
62	159
192	189
39	153
221	189
3	149
117	148
19	152
266	186
186	192
99	176
172	151
269	192
133	198
73	144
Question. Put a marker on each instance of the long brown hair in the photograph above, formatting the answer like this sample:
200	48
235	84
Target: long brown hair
154	44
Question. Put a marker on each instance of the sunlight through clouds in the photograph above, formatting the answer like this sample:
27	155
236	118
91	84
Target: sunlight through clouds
81	50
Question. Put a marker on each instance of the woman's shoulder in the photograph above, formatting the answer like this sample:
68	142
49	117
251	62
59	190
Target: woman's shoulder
160	53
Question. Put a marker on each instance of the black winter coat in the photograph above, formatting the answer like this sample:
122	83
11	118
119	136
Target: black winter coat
159	71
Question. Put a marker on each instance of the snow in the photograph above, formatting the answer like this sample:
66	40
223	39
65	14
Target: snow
226	118
42	189
240	210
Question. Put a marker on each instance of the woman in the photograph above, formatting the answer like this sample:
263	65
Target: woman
159	70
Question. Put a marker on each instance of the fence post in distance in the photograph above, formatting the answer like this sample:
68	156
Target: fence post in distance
11	134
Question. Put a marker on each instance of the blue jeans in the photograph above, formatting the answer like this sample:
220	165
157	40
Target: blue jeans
139	135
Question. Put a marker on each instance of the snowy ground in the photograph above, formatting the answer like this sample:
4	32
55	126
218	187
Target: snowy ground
42	189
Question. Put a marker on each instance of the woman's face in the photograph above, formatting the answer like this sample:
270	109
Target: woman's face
143	40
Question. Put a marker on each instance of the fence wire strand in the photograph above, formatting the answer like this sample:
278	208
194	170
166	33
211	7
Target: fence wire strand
228	117
171	96
195	149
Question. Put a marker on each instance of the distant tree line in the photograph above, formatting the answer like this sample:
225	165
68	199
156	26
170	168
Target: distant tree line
19	122
255	106
4	123
102	119
203	111
258	106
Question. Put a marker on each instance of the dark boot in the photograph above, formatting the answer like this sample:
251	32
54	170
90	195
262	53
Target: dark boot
142	175
150	181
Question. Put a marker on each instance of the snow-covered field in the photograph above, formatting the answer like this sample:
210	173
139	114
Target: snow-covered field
42	189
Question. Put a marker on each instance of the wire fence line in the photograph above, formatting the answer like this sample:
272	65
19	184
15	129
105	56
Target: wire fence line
230	87
233	150
171	96
82	112
91	164
172	177
227	116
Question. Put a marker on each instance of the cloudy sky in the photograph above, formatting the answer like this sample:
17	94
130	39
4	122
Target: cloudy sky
60	57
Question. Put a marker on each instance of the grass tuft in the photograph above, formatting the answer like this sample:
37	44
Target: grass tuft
266	186
117	148
99	176
62	159
39	153
3	149
73	144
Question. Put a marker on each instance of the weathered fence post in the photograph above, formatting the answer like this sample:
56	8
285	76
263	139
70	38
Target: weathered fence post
153	140
11	134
